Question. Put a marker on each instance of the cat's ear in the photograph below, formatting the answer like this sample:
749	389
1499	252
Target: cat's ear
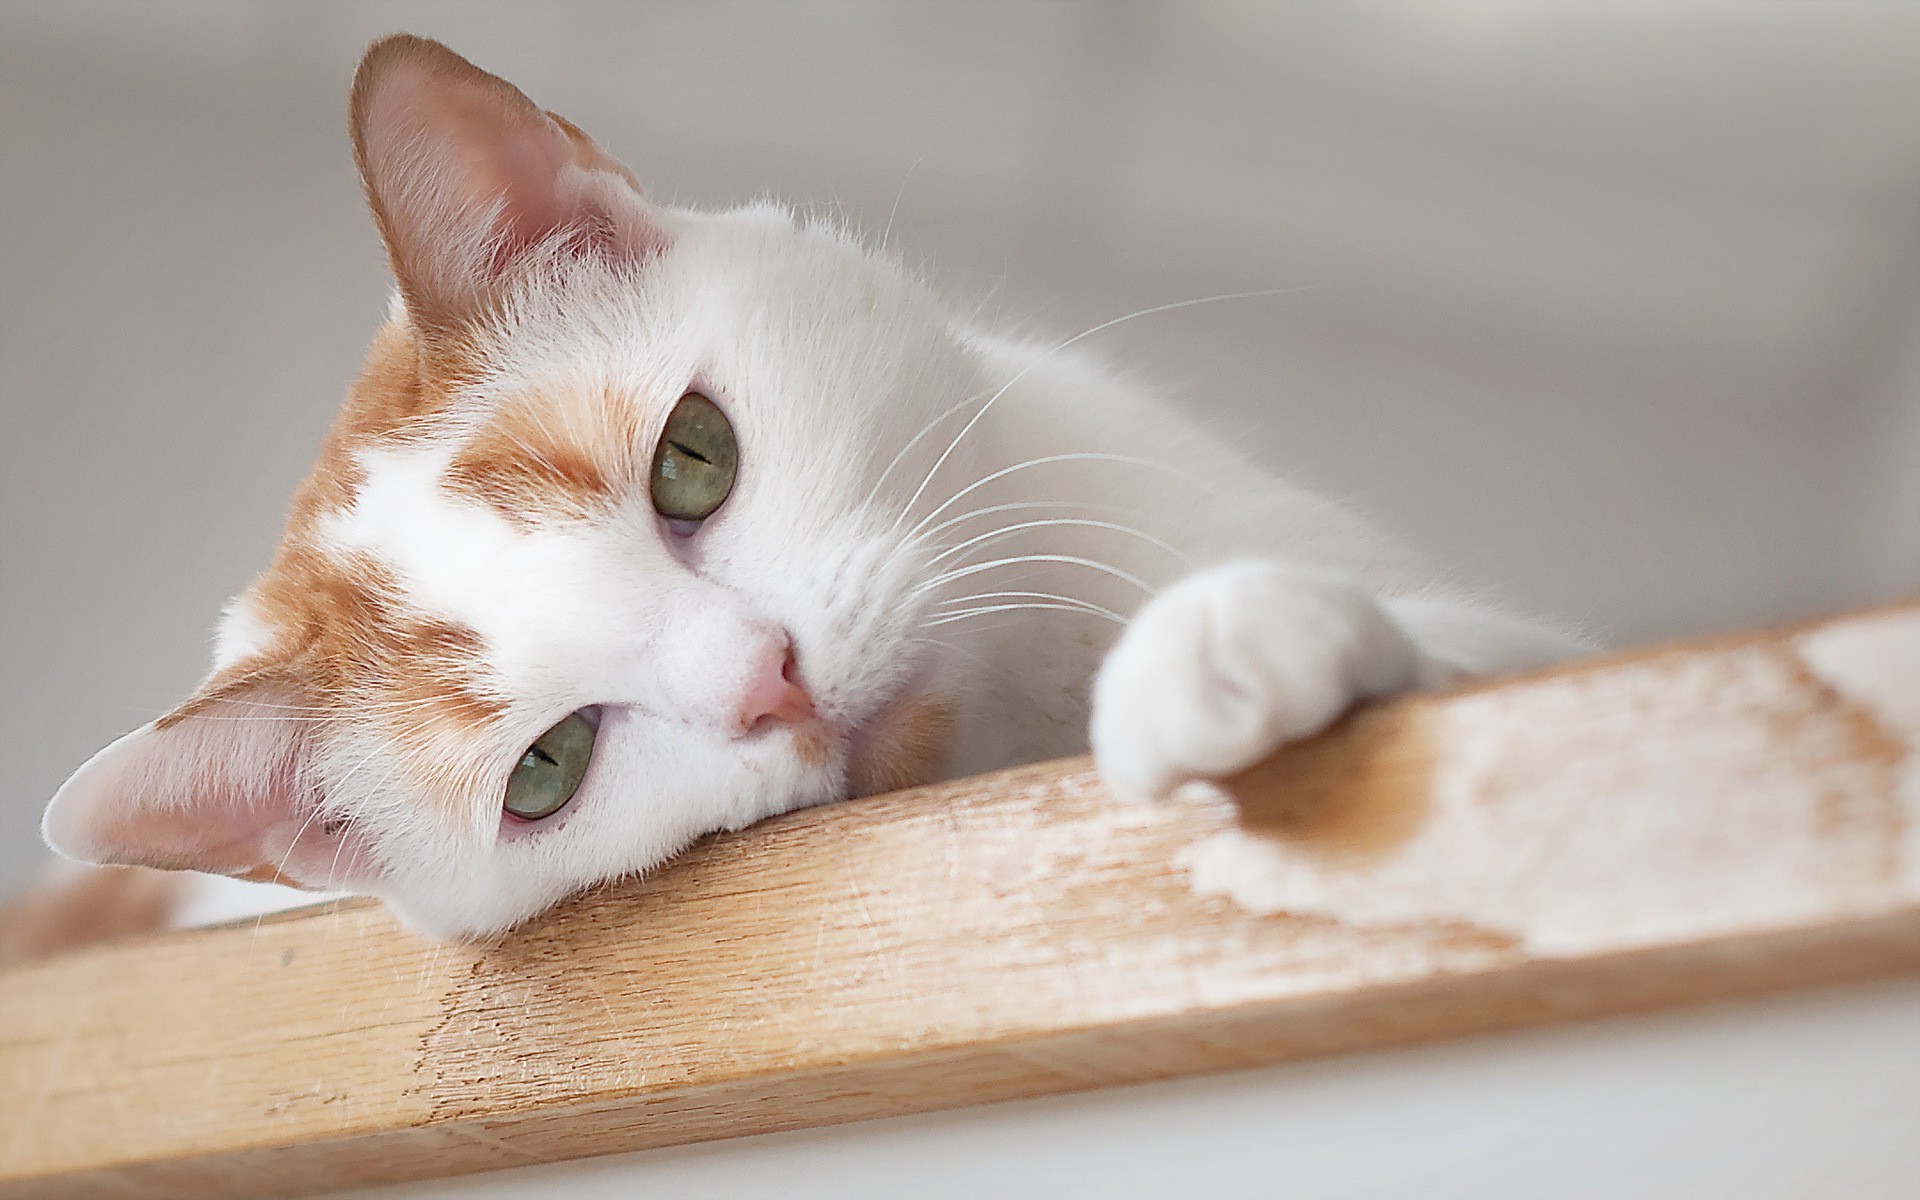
223	784
467	177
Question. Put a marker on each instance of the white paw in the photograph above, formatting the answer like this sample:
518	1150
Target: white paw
1232	663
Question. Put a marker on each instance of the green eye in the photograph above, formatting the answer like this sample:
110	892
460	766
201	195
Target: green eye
693	468
550	771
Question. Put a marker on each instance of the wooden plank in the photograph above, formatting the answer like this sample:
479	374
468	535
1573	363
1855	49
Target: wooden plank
1668	827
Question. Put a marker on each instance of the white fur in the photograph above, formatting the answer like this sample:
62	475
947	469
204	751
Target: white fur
922	507
830	362
241	633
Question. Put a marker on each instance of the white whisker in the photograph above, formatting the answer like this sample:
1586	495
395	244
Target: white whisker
895	210
977	597
1085	333
1084	610
1078	521
1066	559
913	441
1014	506
1078	456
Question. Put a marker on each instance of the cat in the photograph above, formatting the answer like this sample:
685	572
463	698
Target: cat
641	523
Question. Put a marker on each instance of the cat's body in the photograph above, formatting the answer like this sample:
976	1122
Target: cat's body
922	566
1196	516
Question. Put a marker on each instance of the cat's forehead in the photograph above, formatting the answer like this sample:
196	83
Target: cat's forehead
751	293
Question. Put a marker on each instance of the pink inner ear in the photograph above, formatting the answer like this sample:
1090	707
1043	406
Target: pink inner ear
227	789
525	174
467	175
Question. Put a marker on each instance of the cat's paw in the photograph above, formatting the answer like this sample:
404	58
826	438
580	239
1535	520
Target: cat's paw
1234	662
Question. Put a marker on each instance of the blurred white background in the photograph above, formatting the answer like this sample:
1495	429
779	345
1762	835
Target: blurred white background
1614	306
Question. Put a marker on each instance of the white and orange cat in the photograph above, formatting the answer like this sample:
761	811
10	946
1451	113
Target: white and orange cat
642	523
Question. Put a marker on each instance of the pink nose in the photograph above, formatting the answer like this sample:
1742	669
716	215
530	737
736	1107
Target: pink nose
774	695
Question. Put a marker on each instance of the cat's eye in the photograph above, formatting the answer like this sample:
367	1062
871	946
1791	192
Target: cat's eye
549	773
693	466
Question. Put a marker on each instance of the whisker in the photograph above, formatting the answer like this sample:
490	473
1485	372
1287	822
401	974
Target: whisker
1014	506
1067	559
281	868
929	427
1117	528
979	596
895	210
1044	460
1087	333
1084	610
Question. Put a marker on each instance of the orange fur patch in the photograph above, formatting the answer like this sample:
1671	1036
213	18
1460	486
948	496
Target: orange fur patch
812	743
909	747
390	402
345	634
339	622
557	454
338	633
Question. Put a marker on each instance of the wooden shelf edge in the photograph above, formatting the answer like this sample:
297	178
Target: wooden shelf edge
1669	827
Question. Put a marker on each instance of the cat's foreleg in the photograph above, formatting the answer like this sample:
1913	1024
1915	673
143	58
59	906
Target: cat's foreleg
1233	662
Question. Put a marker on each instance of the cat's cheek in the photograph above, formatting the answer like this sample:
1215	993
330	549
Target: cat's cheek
907	745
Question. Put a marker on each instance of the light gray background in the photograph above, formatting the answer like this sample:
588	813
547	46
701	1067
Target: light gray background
1614	305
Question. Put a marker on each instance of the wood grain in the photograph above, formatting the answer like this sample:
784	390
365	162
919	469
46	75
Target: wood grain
1662	828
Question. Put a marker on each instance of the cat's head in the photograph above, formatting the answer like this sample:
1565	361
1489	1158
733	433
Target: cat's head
621	500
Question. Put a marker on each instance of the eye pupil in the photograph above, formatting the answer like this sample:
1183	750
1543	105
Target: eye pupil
696	461
550	771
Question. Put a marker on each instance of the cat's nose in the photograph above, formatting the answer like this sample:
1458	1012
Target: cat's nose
775	695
